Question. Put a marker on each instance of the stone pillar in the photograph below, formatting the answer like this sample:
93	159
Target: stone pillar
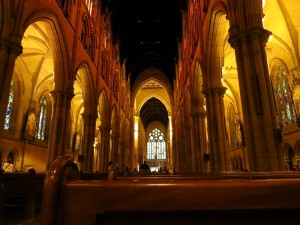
104	149
190	156
60	125
8	54
218	148
170	150
89	124
259	115
199	128
114	148
122	153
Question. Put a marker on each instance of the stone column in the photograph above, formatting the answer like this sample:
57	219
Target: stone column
104	149
122	153
89	124
199	128
259	115
216	129
114	148
8	54
60	125
190	155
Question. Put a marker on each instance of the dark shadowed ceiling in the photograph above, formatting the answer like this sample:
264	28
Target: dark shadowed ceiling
148	33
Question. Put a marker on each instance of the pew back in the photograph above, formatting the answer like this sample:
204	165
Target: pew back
269	199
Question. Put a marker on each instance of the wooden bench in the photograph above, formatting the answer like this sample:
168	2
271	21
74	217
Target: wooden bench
166	200
20	194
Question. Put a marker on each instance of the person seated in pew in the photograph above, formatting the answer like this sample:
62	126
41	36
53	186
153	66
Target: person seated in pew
145	167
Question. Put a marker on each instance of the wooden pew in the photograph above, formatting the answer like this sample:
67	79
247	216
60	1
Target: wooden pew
20	194
233	200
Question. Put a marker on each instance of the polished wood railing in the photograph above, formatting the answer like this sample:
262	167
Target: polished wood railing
250	198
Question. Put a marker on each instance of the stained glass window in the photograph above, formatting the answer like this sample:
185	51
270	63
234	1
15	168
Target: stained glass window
9	106
285	107
42	118
156	145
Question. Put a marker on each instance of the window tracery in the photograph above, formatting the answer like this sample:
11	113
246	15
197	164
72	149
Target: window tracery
285	108
156	145
42	119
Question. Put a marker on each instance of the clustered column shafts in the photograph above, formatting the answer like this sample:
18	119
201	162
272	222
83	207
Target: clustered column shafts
104	149
60	124
89	122
216	129
8	54
200	139
259	115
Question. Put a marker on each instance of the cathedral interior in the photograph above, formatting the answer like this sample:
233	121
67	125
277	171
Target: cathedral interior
192	87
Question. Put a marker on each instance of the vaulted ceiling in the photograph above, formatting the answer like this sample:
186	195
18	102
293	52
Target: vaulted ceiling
148	33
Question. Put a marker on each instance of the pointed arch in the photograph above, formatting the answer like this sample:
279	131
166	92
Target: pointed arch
87	84
289	156
297	148
114	121
103	109
58	45
214	49
197	98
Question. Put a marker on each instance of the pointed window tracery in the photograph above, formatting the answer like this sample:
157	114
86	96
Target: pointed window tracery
42	118
285	107
156	145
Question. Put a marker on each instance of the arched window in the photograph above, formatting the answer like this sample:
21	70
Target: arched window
84	32
92	46
9	106
156	146
285	108
42	119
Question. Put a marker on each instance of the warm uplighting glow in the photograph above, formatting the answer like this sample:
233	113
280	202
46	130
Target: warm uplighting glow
270	37
136	127
89	4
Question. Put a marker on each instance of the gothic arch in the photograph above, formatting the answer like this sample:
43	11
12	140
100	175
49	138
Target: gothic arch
114	136
297	148
214	49
114	121
103	109
58	46
289	156
87	83
197	98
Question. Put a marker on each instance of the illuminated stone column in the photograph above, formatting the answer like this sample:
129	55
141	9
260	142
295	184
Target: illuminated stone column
8	54
189	153
89	122
59	135
170	145
114	148
104	149
216	129
259	115
200	140
136	141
